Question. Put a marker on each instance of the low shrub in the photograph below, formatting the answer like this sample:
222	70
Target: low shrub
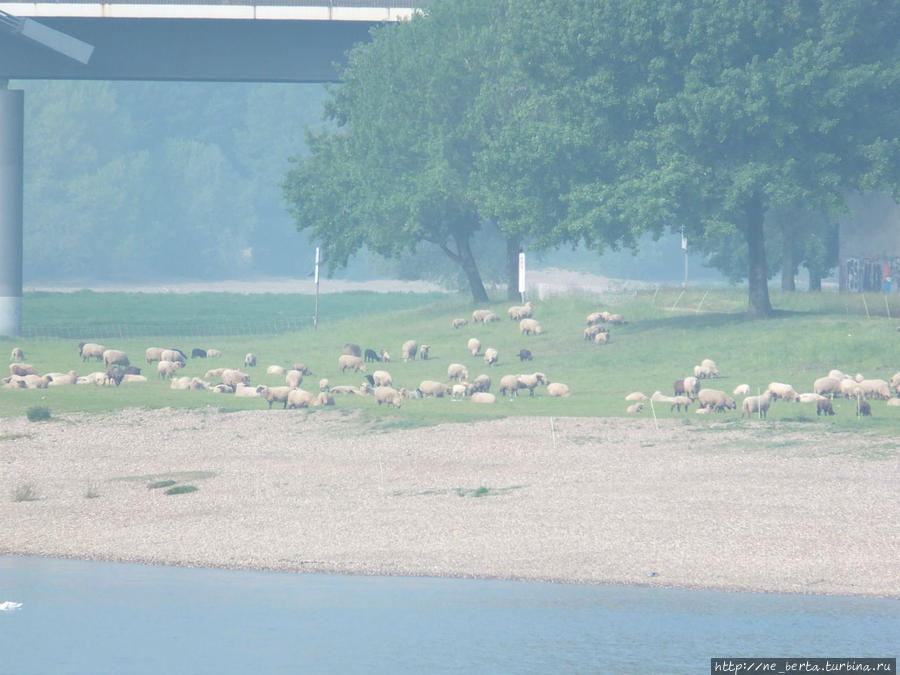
38	414
181	489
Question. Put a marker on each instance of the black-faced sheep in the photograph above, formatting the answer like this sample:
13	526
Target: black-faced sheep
509	384
90	350
635	407
878	389
782	391
62	379
480	383
302	367
531	381
173	355
681	401
371	355
115	374
525	355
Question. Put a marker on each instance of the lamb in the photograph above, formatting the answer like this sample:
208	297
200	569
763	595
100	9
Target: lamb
635	407
323	384
346	361
385	357
782	390
714	399
166	369
458	391
827	386
382	378
275	370
213	354
530	327
389	395
90	350
863	409
558	389
154	354
273	394
433	388
351	349
115	357
679	401
409	349
173	355
17	354
299	398
371	355
875	389
22	369
757	404
234	377
324	398
481	383
529	382
62	379
824	407
509	384
250	360
741	390
457	371
459	323
636	396
525	355
423	352
490	356
482	397
293	378
474	346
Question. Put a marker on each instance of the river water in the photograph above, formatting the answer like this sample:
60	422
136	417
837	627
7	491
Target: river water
93	618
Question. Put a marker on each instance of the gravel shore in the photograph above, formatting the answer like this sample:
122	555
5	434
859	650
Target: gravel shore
755	507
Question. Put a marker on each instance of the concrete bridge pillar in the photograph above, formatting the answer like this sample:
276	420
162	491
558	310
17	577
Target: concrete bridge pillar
12	125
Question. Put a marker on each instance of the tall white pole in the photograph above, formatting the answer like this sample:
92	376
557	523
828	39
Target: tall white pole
522	275
684	248
316	315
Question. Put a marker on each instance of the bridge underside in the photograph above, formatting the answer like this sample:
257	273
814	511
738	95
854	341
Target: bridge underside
195	50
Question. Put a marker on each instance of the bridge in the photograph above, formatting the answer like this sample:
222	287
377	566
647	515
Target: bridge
187	40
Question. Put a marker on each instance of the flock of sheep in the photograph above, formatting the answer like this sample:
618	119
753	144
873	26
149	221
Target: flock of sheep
456	385
824	390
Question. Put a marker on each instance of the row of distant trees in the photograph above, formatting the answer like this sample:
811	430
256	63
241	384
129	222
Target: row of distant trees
594	123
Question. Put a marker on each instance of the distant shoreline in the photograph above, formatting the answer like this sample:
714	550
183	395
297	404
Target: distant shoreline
597	501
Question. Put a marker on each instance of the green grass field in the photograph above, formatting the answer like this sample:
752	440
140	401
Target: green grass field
668	332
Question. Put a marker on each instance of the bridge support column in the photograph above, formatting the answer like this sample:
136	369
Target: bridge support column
12	125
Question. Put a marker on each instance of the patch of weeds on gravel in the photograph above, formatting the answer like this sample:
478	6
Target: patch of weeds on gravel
181	489
25	493
160	484
176	476
481	491
13	436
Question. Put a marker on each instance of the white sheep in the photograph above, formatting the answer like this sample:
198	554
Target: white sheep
636	396
525	311
382	378
530	327
491	356
213	354
531	381
275	370
180	383
757	404
409	349
691	385
234	377
300	398
741	390
828	386
593	331
165	369
154	354
346	361
601	338
594	318
715	399
836	374
480	383
681	401
509	384
242	390
273	394
433	388
782	391
90	350
558	390
474	346
478	316
250	360
389	395
423	352
22	369
173	355
62	379
895	382
17	354
811	397
875	388
893	401
222	388
482	397
293	378
635	407
324	398
323	384
458	372
115	357
385	357
459	323
850	388
133	378
458	391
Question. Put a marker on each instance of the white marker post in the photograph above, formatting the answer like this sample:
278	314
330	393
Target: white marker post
522	275
684	248
316	315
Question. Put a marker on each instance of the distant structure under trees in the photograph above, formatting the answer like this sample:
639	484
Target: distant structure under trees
869	244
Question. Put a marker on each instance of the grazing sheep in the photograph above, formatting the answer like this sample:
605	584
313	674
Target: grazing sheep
382	378
593	331
389	395
490	356
214	372
824	407
346	361
154	354
636	396
115	374
635	407
849	388
423	352
741	390
17	354
525	355
615	318
115	357
173	355
479	314
371	355
433	388
480	383
245	391
594	318
707	368
198	353
529	382
601	338
90	350
409	350
166	369
213	354
385	357
459	323
234	377
716	400
895	382
273	394
691	386
474	346
275	370
62	379
293	378
863	409
827	386
516	313
782	391
678	387
22	369
457	371
681	401
558	390
757	404
250	360
509	384
878	389
299	398
302	367
530	327
482	397
458	391
351	349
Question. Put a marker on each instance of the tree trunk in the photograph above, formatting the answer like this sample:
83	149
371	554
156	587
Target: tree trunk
815	281
513	245
787	256
757	277
466	260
